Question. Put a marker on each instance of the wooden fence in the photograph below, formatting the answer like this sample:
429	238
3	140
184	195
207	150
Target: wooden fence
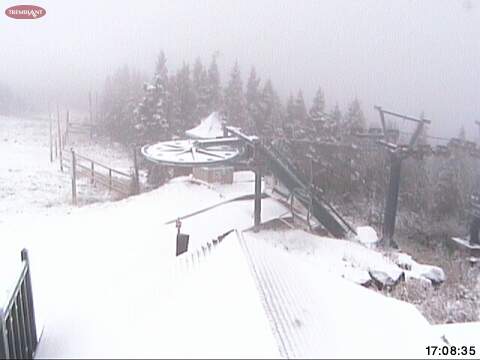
18	332
99	174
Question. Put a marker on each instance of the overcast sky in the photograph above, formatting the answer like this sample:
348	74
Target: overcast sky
405	55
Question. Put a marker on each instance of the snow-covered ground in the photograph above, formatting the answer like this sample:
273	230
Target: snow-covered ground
30	184
107	283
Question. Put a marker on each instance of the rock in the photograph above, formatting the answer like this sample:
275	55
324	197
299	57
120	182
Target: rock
386	280
404	261
432	273
367	236
358	276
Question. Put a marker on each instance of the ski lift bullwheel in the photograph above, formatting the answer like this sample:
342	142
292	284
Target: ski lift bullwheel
191	153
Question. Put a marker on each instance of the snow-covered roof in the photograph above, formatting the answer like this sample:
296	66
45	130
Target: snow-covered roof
209	127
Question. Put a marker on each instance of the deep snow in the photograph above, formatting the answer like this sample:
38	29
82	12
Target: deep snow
107	284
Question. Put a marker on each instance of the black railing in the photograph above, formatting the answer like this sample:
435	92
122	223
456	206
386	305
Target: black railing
18	333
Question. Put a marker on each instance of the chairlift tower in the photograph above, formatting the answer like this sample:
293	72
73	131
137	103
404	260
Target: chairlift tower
397	153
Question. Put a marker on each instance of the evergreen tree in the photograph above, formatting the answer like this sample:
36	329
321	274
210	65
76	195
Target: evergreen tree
151	113
173	107
201	91
214	88
6	99
334	122
299	116
300	110
270	112
317	110
255	121
186	98
234	101
462	134
289	123
354	118
118	101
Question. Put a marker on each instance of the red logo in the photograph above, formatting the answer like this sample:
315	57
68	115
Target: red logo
25	12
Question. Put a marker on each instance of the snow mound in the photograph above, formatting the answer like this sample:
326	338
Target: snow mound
209	127
367	235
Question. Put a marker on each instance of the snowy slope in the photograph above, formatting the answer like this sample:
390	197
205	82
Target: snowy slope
343	258
94	268
465	334
317	314
30	184
106	282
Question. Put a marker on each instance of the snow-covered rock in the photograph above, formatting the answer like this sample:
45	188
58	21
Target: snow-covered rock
367	235
358	276
385	279
433	274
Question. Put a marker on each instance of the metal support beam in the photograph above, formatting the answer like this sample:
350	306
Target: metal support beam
258	198
391	202
388	112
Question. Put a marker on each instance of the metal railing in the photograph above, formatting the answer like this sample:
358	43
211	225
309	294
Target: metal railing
18	333
98	173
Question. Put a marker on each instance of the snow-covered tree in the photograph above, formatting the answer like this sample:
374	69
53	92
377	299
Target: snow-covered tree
354	118
300	110
317	110
289	121
214	88
10	103
252	95
235	109
120	96
151	113
462	134
201	91
334	121
186	98
270	111
173	107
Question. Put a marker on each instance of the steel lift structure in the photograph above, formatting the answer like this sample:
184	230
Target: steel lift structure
237	148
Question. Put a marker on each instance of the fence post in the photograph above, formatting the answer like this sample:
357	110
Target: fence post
258	198
91	112
4	354
59	130
109	179
66	129
74	178
92	173
136	176
31	309
51	135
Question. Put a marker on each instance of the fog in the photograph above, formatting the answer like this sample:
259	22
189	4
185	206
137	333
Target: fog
409	56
